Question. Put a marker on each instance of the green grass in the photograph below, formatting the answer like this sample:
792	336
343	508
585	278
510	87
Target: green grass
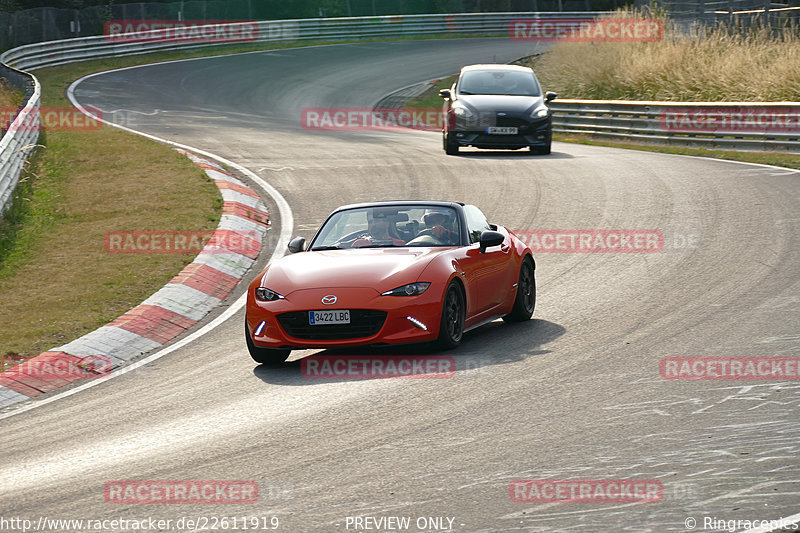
430	98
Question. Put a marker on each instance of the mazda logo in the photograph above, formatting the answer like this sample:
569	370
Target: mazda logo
329	299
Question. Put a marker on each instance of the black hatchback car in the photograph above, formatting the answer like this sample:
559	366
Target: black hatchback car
497	106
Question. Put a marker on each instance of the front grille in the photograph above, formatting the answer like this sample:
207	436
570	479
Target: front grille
485	120
513	122
500	140
363	323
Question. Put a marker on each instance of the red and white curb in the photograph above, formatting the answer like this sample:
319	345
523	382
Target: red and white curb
176	307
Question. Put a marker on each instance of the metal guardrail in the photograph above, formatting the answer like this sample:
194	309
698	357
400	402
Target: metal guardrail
731	125
52	53
20	139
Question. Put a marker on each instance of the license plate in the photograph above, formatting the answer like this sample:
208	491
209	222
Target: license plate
336	316
497	130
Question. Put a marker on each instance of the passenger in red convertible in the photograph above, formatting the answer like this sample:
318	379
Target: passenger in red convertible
380	230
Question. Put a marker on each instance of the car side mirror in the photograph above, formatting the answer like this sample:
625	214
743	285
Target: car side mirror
549	96
444	93
298	244
490	238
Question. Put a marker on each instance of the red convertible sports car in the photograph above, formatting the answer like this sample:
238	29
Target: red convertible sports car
390	273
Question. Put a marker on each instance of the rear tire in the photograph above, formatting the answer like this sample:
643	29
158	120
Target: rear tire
454	312
264	356
450	147
525	301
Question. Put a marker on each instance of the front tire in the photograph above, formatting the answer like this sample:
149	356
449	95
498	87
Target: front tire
454	312
450	147
525	300
264	356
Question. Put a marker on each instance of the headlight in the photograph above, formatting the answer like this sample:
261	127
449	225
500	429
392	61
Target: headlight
461	111
266	295
540	112
412	289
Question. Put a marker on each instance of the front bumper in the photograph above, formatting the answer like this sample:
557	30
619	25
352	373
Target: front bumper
284	323
534	133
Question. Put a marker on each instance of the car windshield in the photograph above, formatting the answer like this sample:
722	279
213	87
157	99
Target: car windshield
513	83
389	226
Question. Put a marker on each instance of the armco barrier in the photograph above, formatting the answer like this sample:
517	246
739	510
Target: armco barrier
732	125
18	141
51	53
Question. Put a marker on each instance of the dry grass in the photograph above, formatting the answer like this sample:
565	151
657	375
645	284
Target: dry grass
10	97
56	280
713	65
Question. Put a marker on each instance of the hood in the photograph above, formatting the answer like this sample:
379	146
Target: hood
501	102
382	269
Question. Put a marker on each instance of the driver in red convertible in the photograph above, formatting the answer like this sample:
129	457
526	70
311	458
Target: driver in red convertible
435	223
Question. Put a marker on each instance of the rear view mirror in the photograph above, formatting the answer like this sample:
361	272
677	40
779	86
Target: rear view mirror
298	244
444	93
549	96
490	238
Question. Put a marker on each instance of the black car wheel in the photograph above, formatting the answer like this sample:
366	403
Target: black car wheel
264	356
454	311
450	147
526	294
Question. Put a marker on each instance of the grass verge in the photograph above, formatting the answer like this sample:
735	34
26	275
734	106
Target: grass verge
10	98
56	279
430	97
